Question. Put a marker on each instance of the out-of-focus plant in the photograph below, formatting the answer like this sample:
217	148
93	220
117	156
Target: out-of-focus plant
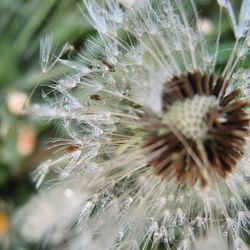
22	24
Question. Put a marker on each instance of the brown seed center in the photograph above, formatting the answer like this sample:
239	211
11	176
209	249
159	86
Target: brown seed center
202	132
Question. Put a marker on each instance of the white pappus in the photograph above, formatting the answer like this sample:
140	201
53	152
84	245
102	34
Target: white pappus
157	139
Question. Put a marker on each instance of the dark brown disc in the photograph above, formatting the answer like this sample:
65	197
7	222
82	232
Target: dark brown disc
219	151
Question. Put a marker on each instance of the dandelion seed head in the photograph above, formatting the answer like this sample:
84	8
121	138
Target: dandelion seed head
205	26
16	102
156	136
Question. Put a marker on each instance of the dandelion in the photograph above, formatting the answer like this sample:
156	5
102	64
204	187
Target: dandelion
15	102
26	140
157	146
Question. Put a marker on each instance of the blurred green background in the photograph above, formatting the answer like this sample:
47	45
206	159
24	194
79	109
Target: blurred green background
23	137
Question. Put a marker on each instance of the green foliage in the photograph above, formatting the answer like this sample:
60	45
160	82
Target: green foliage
22	24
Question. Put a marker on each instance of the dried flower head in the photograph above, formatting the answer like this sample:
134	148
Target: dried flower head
202	131
157	136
